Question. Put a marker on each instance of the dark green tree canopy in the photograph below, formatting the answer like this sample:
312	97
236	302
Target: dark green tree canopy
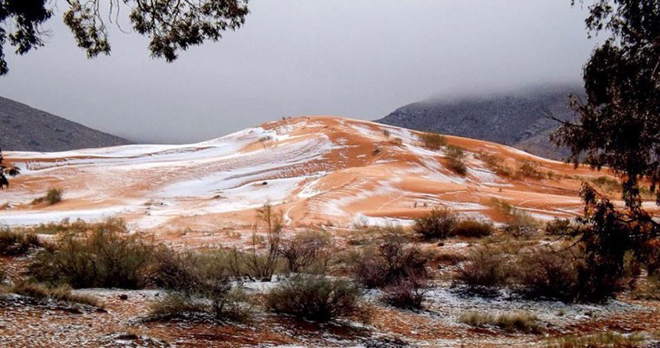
6	170
171	25
619	122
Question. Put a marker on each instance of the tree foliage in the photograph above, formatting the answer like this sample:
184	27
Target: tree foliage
171	25
6	170
619	122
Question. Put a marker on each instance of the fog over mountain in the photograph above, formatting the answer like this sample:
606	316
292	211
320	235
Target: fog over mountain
516	118
359	59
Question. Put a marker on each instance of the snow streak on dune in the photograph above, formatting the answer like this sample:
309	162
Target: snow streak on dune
317	170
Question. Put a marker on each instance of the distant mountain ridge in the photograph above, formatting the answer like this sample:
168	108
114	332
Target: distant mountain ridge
516	119
23	128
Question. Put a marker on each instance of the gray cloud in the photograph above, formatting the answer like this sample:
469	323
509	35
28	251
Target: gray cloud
359	59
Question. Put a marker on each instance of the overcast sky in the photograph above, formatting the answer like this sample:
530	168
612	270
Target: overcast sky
353	58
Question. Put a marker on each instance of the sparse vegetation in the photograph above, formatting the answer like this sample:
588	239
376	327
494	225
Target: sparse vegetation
17	243
485	272
438	224
432	141
529	169
472	229
548	274
495	163
314	298
519	223
404	295
509	322
602	340
257	266
455	159
105	258
307	251
390	264
62	294
53	196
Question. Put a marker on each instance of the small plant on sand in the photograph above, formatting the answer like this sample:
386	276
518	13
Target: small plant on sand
432	141
455	160
53	196
62	294
485	272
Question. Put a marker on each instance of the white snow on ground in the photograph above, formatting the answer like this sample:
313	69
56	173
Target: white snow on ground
19	218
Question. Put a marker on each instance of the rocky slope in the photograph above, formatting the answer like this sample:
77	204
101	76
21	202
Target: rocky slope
23	128
515	119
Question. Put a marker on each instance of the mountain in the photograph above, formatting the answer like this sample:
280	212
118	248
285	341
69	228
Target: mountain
515	119
315	170
23	128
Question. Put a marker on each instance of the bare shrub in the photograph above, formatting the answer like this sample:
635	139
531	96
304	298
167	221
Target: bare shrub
472	229
226	305
405	295
484	273
455	160
390	264
519	223
438	224
314	298
495	163
105	258
529	169
432	141
546	273
509	322
252	264
17	243
307	251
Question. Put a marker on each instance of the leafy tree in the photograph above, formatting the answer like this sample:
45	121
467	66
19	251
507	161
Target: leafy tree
619	123
171	25
618	127
6	169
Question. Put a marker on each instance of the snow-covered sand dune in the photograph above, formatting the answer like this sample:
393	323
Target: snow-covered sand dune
317	170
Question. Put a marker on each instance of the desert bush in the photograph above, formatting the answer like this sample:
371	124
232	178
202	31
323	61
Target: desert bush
472	229
53	196
529	169
607	183
484	273
227	305
314	298
404	295
17	243
547	273
62	294
495	163
386	133
307	251
558	227
251	264
432	141
602	340
519	223
390	264
438	224
509	322
455	158
104	258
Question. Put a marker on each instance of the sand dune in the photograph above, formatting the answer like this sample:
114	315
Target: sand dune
317	170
